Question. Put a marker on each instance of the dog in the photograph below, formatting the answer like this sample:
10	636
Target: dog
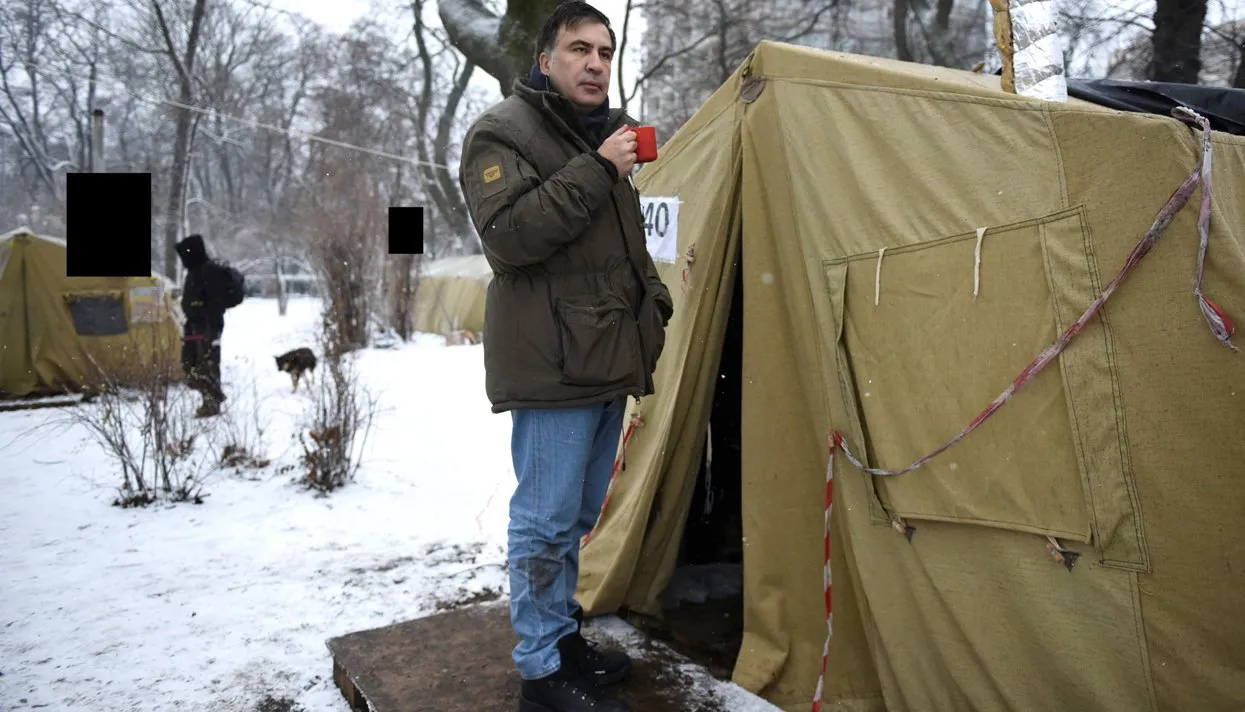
296	363
461	337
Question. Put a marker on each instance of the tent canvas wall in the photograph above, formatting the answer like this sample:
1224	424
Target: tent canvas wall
1127	449
58	332
451	295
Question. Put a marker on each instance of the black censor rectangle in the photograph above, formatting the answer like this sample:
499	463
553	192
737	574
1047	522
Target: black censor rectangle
406	230
108	225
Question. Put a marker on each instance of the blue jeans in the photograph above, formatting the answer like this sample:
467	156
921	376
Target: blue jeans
563	458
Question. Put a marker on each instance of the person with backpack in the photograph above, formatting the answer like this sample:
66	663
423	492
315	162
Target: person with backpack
210	289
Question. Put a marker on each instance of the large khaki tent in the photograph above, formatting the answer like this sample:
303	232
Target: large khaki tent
850	191
60	333
451	295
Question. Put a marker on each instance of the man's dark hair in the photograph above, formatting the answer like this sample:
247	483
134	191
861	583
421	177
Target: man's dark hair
569	15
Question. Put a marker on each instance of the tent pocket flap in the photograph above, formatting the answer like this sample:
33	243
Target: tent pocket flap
933	332
1092	389
836	288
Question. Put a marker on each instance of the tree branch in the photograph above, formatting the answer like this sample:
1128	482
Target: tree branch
622	48
476	32
657	66
182	71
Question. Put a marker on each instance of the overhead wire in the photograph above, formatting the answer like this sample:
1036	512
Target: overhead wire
38	68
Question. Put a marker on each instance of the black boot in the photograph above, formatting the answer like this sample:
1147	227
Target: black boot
603	667
567	690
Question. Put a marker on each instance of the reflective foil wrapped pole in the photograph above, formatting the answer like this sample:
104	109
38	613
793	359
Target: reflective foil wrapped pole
1026	32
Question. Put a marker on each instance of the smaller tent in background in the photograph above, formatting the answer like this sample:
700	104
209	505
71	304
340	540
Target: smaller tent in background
451	295
60	333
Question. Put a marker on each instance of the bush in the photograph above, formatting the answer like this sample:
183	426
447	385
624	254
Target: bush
243	438
149	431
342	411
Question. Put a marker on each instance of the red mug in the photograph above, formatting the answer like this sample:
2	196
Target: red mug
645	144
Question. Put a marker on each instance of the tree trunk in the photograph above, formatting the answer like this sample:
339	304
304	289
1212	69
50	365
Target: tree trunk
618	56
1177	41
941	45
440	184
453	206
900	27
181	142
519	28
283	298
1238	81
502	46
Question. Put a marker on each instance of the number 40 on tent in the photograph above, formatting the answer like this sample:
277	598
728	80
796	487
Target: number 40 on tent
661	228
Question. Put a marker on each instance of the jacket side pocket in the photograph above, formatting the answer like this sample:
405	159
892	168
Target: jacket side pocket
599	343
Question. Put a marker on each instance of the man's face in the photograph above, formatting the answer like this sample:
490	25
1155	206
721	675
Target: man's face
580	64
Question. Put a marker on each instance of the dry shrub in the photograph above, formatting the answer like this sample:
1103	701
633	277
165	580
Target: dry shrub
341	415
242	436
148	429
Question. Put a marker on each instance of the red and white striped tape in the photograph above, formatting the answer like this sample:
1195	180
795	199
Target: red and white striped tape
825	652
636	421
1215	316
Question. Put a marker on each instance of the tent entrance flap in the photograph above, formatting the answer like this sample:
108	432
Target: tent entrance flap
703	604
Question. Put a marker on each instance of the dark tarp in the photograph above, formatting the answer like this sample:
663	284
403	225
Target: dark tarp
1224	107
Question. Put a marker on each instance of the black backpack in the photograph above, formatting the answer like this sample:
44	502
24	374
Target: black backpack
234	286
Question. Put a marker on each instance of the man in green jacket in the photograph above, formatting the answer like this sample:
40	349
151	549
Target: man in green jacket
575	322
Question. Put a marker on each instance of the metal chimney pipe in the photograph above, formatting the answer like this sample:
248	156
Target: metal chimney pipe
97	141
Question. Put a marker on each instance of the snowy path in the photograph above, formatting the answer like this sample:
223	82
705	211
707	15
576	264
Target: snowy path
211	607
215	607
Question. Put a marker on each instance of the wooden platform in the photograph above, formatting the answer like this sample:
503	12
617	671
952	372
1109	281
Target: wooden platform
460	662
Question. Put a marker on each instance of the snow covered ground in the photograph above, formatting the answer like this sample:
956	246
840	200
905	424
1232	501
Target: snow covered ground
216	606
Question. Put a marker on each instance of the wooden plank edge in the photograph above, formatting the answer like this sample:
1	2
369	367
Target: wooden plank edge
37	404
354	696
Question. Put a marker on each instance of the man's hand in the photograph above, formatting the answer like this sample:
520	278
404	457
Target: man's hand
619	149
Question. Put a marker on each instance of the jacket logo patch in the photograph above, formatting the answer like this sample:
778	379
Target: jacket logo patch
492	173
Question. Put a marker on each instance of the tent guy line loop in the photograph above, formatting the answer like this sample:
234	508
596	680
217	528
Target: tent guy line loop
877	278
981	232
1220	326
295	133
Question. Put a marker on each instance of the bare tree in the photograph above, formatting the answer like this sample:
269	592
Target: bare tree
1089	28
343	226
680	70
182	58
433	149
343	219
33	82
940	40
1101	39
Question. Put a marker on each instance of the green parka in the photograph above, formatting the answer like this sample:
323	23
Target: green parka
576	312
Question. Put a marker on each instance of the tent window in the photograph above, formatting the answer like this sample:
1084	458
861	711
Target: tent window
98	315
